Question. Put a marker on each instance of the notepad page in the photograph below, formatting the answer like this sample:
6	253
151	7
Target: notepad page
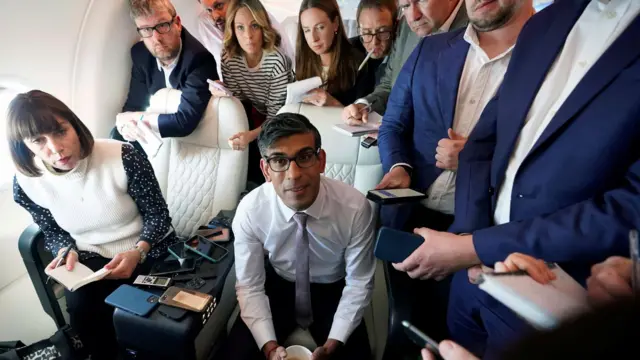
296	91
70	278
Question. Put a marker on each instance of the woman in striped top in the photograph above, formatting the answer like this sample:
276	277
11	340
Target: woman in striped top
253	69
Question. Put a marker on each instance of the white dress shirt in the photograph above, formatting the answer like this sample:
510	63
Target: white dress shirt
340	227
480	80
212	38
597	28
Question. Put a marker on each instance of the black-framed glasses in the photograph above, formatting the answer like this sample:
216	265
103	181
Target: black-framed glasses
162	28
381	35
304	159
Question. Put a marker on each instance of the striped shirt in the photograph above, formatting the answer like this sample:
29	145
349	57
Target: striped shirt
265	85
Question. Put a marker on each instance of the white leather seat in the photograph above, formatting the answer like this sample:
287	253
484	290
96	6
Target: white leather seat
355	165
200	175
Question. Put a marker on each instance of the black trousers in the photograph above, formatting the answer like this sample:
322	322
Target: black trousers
240	344
91	317
422	302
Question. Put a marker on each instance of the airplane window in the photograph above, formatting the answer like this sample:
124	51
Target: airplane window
6	95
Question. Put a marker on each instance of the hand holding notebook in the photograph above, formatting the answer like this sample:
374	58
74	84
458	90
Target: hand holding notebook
74	279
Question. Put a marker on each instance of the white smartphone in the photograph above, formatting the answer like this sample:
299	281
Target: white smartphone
219	87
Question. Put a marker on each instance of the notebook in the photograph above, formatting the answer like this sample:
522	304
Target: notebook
543	306
372	126
296	91
78	277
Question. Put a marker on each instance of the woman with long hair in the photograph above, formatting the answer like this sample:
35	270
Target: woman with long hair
323	49
98	197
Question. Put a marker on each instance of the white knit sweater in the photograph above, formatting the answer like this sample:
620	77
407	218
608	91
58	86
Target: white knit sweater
91	201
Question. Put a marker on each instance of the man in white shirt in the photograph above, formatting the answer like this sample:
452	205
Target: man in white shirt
422	134
211	23
317	235
552	168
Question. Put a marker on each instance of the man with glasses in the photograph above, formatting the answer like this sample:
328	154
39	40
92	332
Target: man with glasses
423	17
376	27
167	57
304	252
212	20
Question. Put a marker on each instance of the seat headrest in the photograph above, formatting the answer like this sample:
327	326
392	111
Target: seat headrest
223	118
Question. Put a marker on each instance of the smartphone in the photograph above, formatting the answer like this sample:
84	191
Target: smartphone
205	248
223	236
395	196
421	339
368	142
395	245
220	87
209	232
186	299
155	281
173	267
178	251
133	300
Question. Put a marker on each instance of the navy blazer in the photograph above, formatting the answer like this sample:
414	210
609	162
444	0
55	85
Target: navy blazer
577	194
420	110
195	65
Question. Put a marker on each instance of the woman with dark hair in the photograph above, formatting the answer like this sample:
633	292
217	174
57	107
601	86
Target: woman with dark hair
323	50
99	197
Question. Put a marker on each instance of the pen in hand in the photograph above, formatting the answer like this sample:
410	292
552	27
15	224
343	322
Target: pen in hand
62	258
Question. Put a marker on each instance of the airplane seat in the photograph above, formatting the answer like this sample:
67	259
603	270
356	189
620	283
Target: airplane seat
351	163
199	175
290	28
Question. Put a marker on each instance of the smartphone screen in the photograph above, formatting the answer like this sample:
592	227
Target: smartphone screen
206	248
421	339
171	267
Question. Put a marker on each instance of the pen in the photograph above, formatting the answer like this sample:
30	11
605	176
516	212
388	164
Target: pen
634	249
366	59
63	257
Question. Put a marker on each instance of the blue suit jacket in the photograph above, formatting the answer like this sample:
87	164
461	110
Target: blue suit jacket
420	110
195	65
577	193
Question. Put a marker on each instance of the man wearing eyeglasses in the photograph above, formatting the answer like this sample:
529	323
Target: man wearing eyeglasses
423	18
376	27
211	23
317	235
167	57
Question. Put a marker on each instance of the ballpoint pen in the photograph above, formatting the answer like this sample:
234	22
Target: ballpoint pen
63	257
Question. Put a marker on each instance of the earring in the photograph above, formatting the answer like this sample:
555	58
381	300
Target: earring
336	32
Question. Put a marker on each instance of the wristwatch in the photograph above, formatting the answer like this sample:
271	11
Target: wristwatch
143	253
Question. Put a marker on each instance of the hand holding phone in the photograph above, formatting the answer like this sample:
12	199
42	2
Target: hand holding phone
395	245
395	196
217	89
421	339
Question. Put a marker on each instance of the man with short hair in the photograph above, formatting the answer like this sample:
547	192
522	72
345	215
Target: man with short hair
376	29
317	235
211	22
167	57
423	17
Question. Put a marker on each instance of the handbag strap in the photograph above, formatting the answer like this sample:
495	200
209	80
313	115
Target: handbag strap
10	355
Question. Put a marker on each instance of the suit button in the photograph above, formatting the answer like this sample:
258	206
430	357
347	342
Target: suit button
491	191
520	196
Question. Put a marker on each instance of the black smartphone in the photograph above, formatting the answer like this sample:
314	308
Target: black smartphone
395	196
173	267
395	245
369	142
421	339
205	248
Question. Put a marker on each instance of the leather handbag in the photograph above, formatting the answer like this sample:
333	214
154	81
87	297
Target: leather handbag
63	345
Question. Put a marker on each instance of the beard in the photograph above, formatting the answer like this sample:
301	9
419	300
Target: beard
164	52
495	21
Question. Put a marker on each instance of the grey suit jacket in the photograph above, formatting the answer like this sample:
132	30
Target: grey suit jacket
404	44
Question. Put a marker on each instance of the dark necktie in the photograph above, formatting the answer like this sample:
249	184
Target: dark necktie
304	316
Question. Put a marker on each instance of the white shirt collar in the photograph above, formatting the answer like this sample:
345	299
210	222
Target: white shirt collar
471	36
447	24
173	64
315	210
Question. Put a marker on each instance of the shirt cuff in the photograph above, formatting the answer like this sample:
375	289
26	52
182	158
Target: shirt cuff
362	101
263	332
401	164
341	329
152	119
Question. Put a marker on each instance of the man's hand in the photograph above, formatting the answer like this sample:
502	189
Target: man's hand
448	151
353	115
441	254
127	125
123	264
273	351
537	269
320	97
610	280
327	350
397	178
449	351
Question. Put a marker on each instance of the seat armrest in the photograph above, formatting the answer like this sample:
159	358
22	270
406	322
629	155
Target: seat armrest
31	245
399	295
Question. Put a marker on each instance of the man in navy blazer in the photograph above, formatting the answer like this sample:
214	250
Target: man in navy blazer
436	102
552	168
167	57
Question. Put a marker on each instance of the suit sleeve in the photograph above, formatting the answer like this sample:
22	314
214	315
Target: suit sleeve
194	100
397	125
585	232
473	200
138	97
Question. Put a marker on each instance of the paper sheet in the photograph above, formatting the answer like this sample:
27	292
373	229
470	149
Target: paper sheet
296	91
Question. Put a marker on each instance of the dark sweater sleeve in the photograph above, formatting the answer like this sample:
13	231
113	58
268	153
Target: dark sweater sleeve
143	187
55	238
